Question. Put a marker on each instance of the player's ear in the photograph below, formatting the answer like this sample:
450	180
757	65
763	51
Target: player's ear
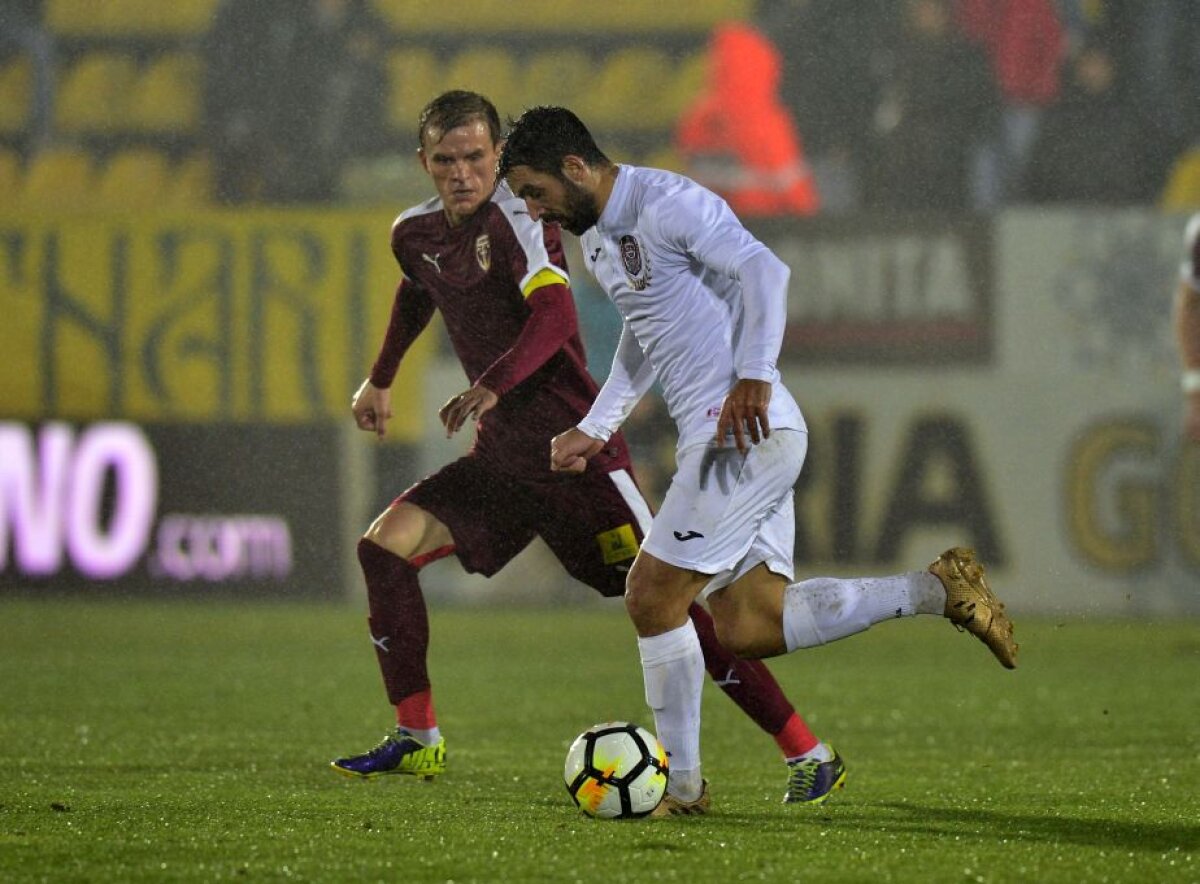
574	169
423	158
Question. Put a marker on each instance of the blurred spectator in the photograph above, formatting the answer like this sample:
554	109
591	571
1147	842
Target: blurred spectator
1093	145
21	31
1156	46
829	50
294	88
1026	44
935	98
738	139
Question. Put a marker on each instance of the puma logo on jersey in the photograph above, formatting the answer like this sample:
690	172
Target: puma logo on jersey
433	260
691	535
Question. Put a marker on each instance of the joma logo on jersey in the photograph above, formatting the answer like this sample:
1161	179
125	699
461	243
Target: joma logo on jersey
637	268
483	252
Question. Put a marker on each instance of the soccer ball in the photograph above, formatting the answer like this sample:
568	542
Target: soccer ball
616	770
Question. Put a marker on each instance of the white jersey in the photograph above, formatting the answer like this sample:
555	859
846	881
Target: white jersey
670	254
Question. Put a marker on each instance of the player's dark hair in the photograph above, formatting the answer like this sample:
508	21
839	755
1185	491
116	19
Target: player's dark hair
542	136
457	108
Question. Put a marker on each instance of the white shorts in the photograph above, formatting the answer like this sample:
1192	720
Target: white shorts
725	513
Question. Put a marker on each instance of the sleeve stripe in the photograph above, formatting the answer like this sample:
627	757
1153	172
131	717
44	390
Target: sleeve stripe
542	278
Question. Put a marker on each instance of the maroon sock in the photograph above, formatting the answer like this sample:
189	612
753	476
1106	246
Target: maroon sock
398	620
747	682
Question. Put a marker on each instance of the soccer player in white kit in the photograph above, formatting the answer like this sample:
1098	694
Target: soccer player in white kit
704	306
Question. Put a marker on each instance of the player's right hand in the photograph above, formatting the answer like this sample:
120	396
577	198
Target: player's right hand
569	451
372	407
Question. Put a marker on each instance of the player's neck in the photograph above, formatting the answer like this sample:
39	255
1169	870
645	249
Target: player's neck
606	181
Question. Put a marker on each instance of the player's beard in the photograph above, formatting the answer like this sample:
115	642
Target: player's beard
581	211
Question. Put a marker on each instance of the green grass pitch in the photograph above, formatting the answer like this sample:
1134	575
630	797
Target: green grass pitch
190	742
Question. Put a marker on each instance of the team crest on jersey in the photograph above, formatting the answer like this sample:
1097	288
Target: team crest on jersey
637	268
483	252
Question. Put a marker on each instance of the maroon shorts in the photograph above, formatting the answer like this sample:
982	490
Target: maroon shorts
585	520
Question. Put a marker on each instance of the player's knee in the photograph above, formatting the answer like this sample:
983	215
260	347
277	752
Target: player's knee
400	530
740	629
649	607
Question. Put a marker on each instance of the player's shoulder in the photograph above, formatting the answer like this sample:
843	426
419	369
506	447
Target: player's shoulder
510	209
416	217
652	186
666	201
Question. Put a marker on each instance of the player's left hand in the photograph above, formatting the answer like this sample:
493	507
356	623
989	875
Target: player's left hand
472	403
744	413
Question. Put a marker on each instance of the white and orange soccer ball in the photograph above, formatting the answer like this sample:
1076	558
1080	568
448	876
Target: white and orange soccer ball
616	770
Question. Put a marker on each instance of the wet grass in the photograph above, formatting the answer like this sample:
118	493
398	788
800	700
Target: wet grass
156	741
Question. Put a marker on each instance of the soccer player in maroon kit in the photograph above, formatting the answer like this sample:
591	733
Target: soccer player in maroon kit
500	281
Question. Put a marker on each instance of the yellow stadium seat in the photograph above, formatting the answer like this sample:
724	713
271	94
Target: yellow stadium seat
628	92
133	179
16	94
59	179
556	76
94	94
613	17
1182	191
137	18
10	178
691	76
167	98
665	158
414	77
191	183
492	72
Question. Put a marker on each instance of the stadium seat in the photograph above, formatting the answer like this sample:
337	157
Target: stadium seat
691	75
10	178
414	77
490	71
1182	191
628	92
167	98
133	179
491	17
94	94
58	179
556	76
191	183
129	18
665	158
16	93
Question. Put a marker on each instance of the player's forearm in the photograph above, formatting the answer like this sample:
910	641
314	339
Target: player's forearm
550	325
410	315
631	376
764	280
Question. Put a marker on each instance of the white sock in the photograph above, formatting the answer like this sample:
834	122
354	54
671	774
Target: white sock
826	609
819	752
673	670
426	737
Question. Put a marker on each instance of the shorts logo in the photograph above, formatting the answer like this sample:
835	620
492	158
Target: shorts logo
636	266
618	545
483	252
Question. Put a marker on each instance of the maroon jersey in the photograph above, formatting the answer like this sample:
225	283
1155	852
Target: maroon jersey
500	282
